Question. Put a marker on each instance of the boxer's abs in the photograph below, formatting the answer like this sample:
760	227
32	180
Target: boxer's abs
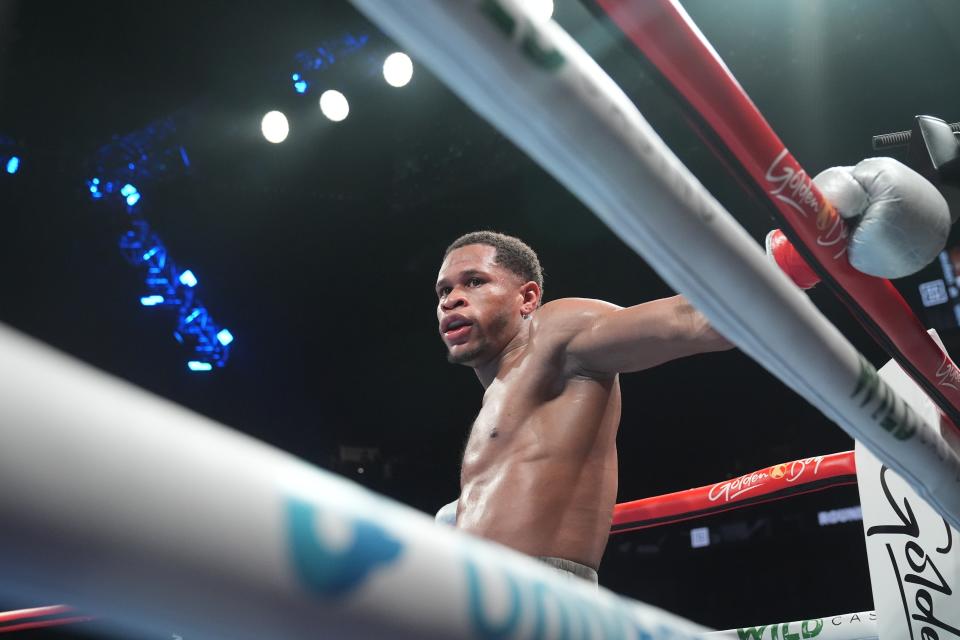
541	477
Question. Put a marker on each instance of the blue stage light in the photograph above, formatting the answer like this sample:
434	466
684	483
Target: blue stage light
13	165
318	59
130	192
225	337
146	156
94	186
187	279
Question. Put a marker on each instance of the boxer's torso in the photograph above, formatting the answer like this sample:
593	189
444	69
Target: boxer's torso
540	468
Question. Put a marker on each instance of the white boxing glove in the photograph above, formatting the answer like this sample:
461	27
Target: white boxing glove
899	221
448	514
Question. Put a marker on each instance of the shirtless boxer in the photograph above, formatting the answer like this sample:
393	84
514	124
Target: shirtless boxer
539	472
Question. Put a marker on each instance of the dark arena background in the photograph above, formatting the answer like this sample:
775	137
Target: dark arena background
148	227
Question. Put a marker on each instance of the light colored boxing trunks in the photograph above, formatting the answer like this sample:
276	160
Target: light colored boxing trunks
571	568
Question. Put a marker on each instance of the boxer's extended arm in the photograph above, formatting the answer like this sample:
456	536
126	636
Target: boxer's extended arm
607	339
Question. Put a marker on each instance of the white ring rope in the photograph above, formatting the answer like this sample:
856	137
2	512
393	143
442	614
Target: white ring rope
140	512
532	81
847	626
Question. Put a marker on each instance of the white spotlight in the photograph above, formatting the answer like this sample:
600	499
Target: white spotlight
275	127
540	9
334	105
397	69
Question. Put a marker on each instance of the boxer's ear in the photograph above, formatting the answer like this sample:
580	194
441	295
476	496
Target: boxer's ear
530	293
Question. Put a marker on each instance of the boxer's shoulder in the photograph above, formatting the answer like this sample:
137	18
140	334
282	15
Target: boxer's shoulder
571	315
558	322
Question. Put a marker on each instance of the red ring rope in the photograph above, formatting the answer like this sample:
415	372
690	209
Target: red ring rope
39	618
667	36
766	485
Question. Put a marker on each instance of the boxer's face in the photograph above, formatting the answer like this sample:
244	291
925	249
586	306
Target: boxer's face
478	305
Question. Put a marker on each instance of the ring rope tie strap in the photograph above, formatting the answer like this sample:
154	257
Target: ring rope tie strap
777	482
665	34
